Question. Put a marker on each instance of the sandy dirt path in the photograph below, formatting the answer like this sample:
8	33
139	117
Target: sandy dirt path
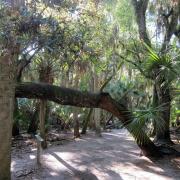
114	156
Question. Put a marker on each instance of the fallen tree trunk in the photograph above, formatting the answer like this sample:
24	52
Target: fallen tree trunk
66	96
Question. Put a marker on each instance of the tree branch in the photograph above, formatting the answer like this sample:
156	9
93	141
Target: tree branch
140	8
172	19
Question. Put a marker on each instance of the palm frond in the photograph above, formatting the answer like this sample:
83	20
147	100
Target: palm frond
144	117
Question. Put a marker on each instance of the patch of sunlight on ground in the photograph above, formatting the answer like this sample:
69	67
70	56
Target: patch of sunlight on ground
156	169
13	163
115	156
54	174
65	155
118	135
32	156
80	139
126	176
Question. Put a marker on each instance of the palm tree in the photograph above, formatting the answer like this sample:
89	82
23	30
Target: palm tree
167	15
163	68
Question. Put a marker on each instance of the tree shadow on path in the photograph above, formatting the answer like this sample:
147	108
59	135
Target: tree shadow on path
79	175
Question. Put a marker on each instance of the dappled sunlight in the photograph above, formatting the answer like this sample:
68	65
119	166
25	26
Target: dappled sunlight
53	173
114	156
80	139
156	169
123	134
34	149
13	163
32	156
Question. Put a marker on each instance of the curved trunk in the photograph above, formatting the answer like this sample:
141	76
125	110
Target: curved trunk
66	96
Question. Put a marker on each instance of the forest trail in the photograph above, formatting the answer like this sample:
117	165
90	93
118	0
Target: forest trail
114	156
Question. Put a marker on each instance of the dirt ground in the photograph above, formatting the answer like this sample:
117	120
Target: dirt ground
114	156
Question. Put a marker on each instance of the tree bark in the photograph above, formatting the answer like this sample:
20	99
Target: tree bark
7	93
164	100
46	76
76	110
42	118
155	104
171	25
97	117
15	128
33	125
65	96
86	121
76	123
97	110
140	8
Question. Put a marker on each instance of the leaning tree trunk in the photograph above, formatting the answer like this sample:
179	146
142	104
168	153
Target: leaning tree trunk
7	92
66	96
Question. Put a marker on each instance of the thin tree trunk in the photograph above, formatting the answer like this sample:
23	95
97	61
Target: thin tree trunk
91	87
15	128
97	111
90	117
76	123
76	111
42	118
97	116
33	125
86	121
45	75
